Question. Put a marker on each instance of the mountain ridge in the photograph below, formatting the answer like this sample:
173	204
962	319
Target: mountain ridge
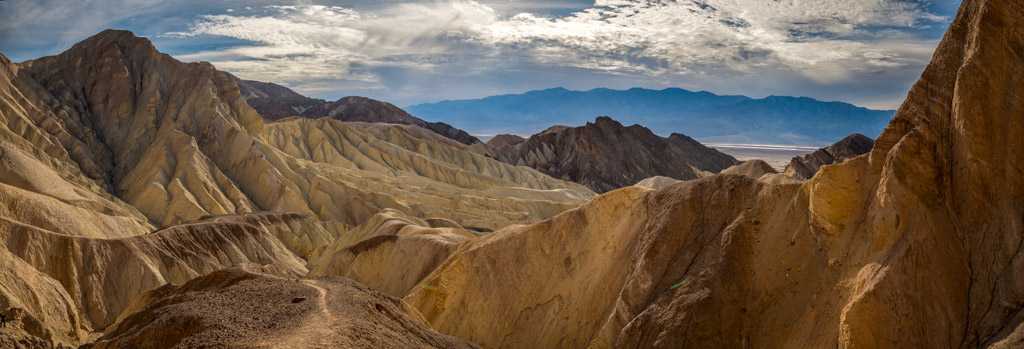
702	114
605	155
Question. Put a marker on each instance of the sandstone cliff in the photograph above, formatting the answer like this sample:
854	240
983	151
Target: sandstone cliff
805	166
914	245
605	155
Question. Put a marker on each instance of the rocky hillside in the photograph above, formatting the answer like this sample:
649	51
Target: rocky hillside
805	166
916	245
605	155
274	101
279	312
125	169
369	110
177	142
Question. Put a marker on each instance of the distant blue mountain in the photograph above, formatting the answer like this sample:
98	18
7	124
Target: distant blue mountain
703	115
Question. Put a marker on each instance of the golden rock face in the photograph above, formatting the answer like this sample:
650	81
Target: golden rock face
131	182
915	245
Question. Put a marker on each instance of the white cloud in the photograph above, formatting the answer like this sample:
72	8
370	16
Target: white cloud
825	41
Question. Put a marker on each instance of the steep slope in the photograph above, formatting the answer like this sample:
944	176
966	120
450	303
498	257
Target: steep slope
278	312
369	110
391	253
103	275
605	155
105	144
178	142
503	142
357	169
805	166
706	116
916	245
274	101
35	310
752	168
51	177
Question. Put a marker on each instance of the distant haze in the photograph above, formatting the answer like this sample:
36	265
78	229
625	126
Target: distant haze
703	115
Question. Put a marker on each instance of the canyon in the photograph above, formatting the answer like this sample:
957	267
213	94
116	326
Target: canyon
151	203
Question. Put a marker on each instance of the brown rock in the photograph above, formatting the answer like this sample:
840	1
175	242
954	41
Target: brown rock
605	155
273	101
364	109
805	166
752	168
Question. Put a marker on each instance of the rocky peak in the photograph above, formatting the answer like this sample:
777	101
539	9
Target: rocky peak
606	121
605	155
504	140
363	109
274	101
805	166
356	108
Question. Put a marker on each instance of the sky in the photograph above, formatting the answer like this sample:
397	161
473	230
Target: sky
867	52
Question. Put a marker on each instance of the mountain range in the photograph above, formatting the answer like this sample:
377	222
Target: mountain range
605	155
145	204
275	102
703	115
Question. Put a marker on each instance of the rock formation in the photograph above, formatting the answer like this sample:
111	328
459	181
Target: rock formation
273	101
124	170
752	168
504	143
805	166
605	155
177	142
369	110
390	253
278	312
276	102
917	244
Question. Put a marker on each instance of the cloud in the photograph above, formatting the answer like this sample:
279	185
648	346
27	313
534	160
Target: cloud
825	41
294	43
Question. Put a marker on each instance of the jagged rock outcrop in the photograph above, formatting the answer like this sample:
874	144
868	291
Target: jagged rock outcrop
605	155
273	101
364	109
278	312
917	244
805	166
391	253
